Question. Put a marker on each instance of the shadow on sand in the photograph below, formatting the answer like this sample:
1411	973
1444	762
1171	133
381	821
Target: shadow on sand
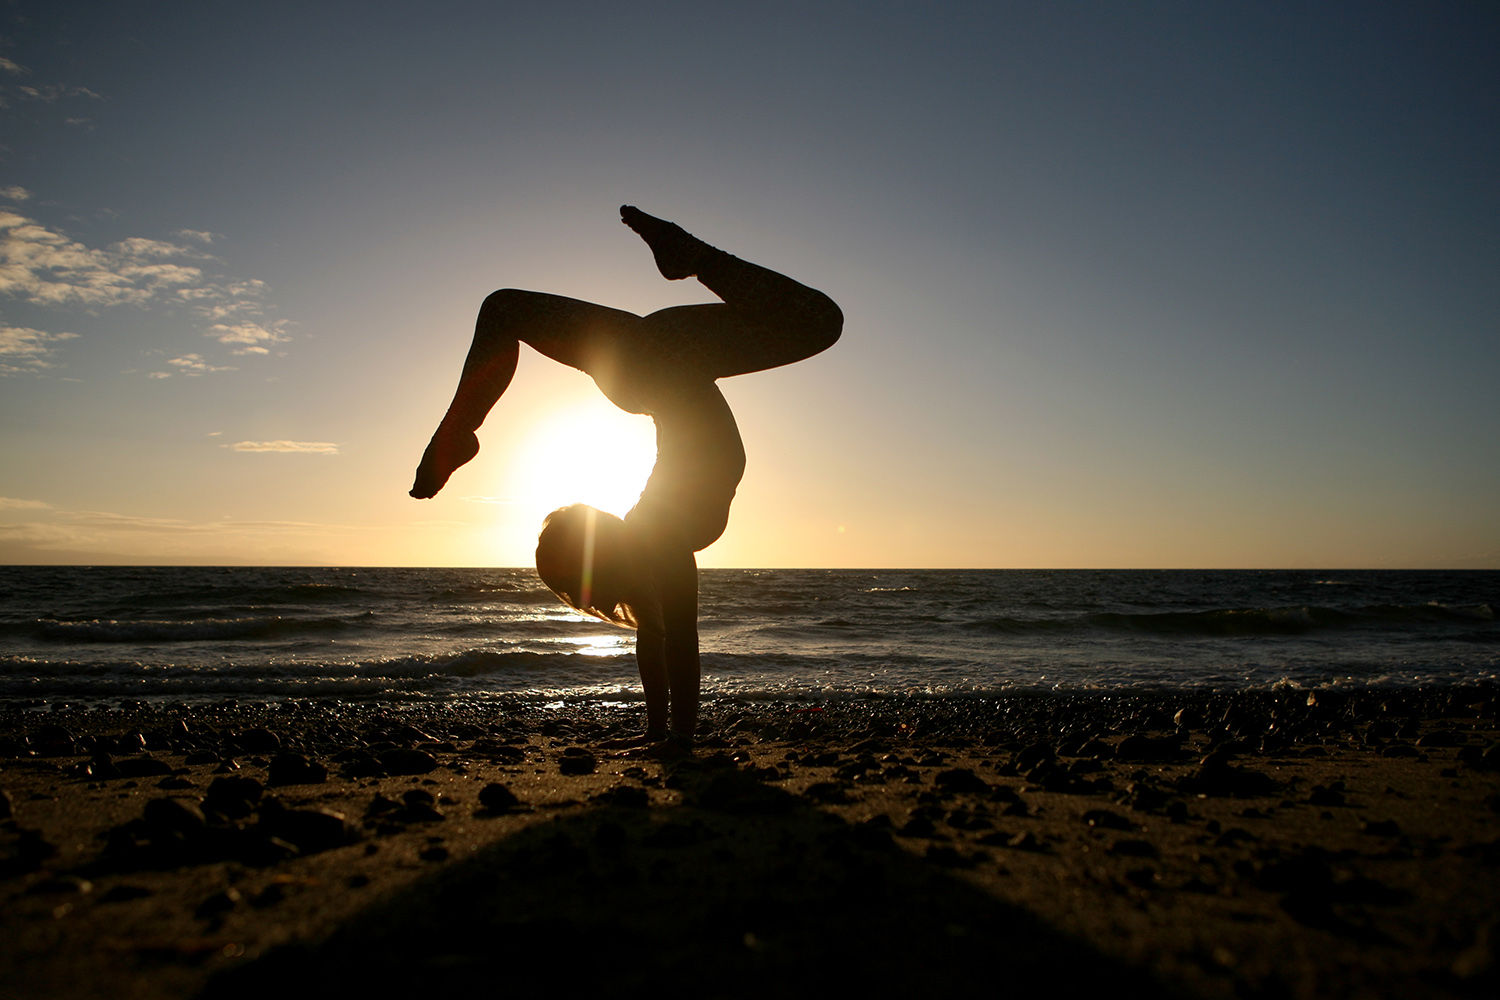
744	890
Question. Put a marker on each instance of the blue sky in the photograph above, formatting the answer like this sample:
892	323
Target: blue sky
1124	284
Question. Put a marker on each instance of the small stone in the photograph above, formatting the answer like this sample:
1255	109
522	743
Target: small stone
295	769
407	761
219	903
1134	848
437	852
1382	828
125	893
63	885
1025	842
624	796
233	796
577	760
827	792
497	798
311	830
260	740
1107	820
1136	748
168	816
961	780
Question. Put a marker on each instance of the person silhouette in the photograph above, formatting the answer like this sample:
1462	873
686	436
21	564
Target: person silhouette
640	571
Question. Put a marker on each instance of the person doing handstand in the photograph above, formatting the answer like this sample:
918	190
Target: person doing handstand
640	571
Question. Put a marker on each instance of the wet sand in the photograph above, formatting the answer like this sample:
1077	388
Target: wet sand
1201	846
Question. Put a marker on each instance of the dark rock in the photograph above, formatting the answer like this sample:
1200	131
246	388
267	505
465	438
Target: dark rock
295	769
577	760
1107	820
1331	794
260	740
946	856
1033	755
125	893
310	830
437	852
62	885
102	766
168	816
405	761
961	780
919	825
52	740
362	764
733	791
497	798
1134	848
622	796
1025	842
1216	776
1382	828
233	796
1138	749
7	809
218	904
827	791
420	806
1442	738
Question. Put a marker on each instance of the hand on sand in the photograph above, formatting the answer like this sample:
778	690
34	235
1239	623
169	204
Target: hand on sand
678	253
445	452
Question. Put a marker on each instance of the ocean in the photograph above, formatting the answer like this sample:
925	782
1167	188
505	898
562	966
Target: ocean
171	634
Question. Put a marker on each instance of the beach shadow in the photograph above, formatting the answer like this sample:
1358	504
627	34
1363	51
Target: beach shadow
744	890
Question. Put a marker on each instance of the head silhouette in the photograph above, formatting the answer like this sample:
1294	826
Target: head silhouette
588	558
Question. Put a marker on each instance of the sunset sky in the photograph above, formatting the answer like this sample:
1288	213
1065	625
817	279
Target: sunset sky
1125	285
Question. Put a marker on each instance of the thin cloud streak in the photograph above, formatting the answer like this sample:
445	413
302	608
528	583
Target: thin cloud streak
287	447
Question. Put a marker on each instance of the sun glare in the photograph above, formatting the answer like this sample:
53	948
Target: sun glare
592	454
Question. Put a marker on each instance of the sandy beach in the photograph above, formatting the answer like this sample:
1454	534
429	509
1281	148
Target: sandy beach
1204	846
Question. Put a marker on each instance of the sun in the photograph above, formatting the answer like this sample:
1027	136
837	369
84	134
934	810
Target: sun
589	453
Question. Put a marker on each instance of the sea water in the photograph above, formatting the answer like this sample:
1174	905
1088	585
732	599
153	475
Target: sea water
154	634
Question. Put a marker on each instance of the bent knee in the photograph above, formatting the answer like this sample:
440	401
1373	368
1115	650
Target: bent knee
824	321
502	301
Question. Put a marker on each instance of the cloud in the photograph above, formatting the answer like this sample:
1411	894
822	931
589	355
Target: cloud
23	349
189	364
249	338
50	92
12	503
288	447
14	193
46	267
12	67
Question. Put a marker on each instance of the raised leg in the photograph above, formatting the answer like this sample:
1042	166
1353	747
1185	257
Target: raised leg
766	319
579	334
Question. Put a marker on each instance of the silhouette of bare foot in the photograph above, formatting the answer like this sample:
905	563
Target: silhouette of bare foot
678	253
445	452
